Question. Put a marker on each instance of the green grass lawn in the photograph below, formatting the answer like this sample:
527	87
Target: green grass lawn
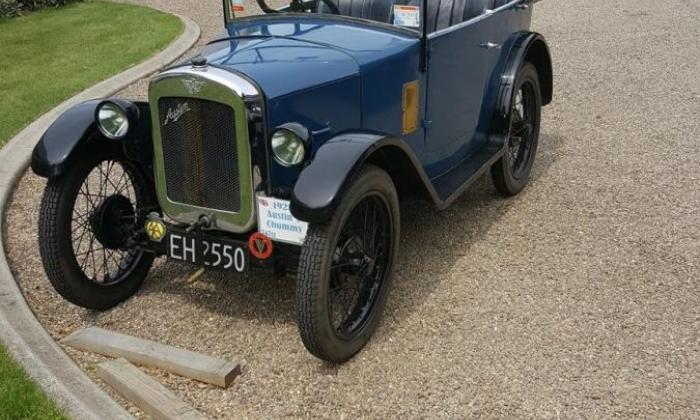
19	397
48	56
45	58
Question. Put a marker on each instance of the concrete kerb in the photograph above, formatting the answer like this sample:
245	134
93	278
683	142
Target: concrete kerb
20	332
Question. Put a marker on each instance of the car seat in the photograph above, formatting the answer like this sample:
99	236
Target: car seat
377	10
441	13
445	13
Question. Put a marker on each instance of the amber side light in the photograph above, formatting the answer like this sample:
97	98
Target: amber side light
410	106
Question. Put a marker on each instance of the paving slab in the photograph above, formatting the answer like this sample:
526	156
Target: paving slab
153	398
171	359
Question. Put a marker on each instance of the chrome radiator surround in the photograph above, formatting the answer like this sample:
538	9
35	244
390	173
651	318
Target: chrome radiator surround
216	85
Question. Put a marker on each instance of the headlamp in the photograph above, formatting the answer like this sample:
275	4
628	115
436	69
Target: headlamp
289	143
115	117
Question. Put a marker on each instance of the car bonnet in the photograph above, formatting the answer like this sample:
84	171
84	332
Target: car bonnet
286	53
280	65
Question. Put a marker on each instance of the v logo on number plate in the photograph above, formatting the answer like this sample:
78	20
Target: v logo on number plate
260	246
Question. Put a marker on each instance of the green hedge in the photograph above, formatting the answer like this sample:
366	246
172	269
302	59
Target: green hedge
11	8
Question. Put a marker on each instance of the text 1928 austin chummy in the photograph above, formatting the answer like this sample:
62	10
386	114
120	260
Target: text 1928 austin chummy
287	144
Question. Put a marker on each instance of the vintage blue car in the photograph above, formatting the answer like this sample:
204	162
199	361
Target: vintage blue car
287	145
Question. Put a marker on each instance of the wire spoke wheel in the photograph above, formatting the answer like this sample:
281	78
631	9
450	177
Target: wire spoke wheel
345	268
521	137
359	265
103	219
89	222
512	171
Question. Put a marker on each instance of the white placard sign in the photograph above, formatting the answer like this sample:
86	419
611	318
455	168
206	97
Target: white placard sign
407	16
237	7
276	221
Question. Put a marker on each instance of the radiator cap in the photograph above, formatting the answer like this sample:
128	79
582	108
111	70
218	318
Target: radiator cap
199	62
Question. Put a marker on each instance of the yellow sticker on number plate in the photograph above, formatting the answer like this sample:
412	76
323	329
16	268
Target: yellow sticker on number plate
155	229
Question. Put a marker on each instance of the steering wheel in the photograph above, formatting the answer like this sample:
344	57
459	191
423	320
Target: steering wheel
300	6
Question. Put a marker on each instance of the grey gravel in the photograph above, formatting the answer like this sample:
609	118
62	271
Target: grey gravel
578	298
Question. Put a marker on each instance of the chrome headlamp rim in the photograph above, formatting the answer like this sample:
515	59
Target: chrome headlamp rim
295	132
287	139
126	110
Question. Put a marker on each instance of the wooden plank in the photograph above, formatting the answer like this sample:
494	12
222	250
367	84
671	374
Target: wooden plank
145	392
149	353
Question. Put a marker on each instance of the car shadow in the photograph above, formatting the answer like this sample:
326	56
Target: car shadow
432	242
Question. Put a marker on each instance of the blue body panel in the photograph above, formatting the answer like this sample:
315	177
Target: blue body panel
456	80
337	104
336	74
343	79
283	66
364	41
330	74
461	104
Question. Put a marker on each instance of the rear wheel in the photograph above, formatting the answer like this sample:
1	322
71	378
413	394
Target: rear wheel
512	172
87	219
345	269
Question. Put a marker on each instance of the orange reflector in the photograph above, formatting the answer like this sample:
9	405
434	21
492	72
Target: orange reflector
260	246
409	105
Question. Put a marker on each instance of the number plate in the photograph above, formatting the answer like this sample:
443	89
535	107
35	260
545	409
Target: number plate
208	251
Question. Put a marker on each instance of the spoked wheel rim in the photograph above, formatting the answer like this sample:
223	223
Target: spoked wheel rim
359	265
522	129
105	215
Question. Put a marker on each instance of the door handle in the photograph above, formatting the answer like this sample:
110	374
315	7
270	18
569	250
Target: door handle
490	46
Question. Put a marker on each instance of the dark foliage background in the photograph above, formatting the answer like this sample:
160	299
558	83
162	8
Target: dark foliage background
11	8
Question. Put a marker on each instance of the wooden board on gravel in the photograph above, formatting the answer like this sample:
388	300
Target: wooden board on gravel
182	362
145	392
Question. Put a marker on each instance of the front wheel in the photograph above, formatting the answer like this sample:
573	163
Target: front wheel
345	269
512	172
88	218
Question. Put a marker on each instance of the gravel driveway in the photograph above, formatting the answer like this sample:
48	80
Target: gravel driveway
578	298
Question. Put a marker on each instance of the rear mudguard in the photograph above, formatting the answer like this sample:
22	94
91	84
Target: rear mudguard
322	184
527	47
75	130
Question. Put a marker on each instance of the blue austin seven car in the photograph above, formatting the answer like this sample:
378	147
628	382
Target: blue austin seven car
287	144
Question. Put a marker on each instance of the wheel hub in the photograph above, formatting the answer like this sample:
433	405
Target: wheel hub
354	253
113	221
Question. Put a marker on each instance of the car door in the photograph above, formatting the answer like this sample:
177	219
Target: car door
457	76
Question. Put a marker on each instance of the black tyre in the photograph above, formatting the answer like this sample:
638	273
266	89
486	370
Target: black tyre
512	172
88	216
345	269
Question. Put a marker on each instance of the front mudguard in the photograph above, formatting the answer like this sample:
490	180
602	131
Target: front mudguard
322	184
75	132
